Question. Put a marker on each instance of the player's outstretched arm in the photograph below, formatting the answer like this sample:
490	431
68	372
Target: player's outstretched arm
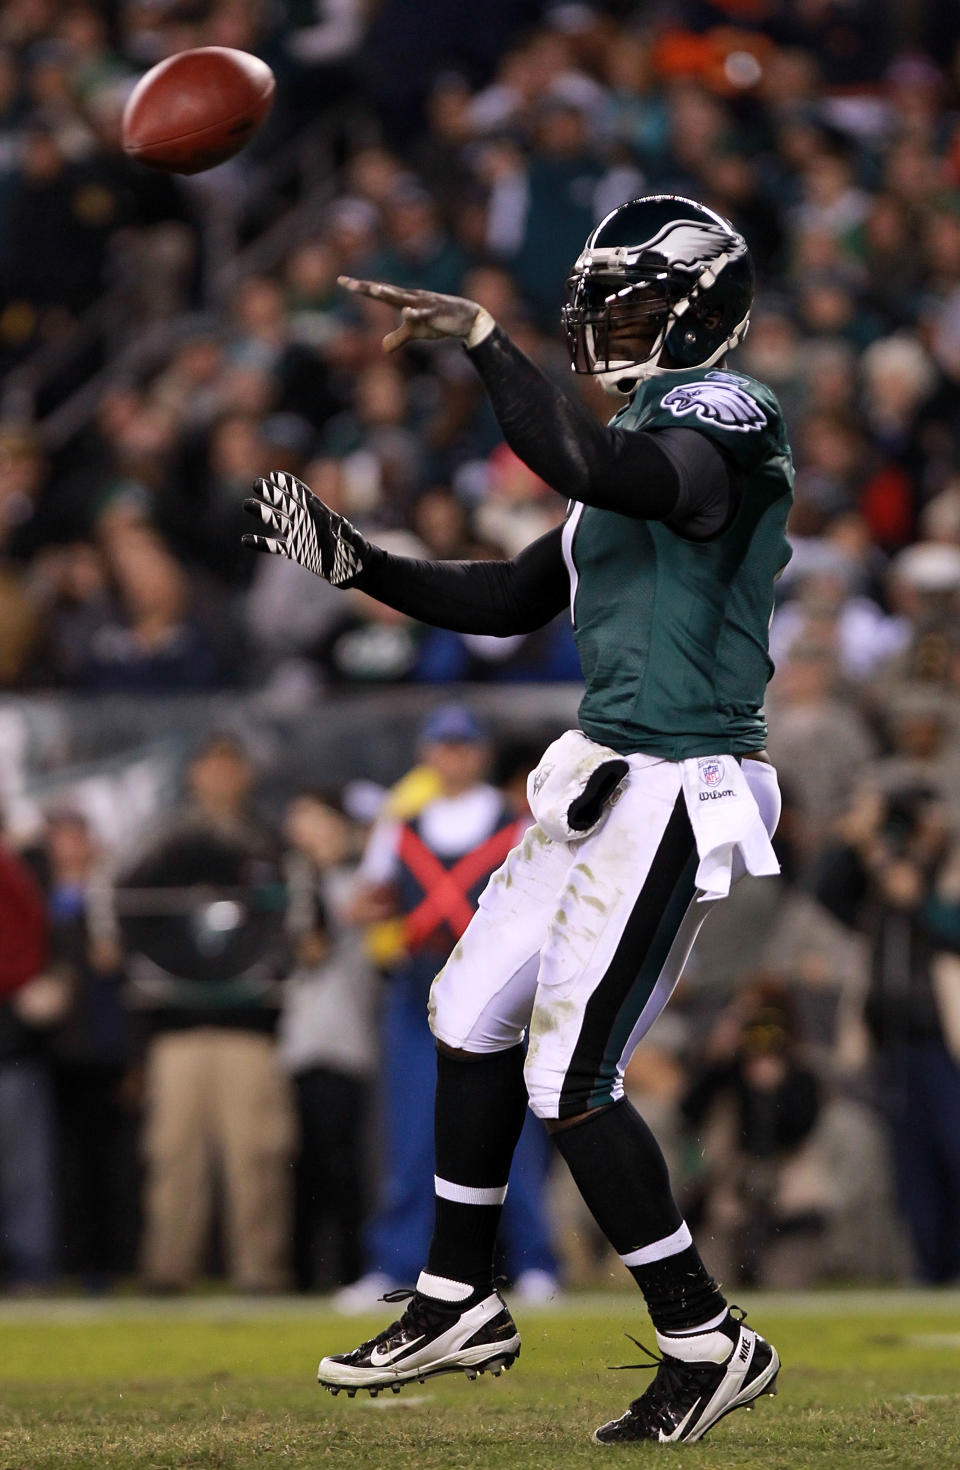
498	597
675	475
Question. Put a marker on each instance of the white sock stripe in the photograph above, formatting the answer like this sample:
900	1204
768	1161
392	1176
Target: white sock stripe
699	1347
701	1326
464	1194
442	1288
658	1250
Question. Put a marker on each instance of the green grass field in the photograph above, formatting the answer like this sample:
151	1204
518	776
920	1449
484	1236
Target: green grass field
869	1380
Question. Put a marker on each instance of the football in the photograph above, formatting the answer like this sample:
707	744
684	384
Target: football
196	109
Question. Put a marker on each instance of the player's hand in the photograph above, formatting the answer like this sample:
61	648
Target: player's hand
304	529
427	315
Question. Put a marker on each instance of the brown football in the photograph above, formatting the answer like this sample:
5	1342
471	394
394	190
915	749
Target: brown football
197	109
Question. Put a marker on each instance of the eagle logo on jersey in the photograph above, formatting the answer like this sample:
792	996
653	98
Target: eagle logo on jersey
719	401
688	245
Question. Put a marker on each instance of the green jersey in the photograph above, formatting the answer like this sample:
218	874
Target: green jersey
673	634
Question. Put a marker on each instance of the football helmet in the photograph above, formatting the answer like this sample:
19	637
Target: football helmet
661	275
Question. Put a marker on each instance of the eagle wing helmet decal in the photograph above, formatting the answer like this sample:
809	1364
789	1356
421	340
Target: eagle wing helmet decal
687	244
714	401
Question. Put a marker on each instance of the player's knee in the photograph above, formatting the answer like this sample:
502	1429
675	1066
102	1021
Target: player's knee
545	1086
459	1027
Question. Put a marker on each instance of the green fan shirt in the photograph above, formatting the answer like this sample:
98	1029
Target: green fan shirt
673	634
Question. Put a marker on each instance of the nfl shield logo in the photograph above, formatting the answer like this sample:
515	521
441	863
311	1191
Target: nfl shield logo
711	770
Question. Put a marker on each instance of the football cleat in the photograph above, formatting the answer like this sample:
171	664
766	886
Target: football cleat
690	1394
475	1336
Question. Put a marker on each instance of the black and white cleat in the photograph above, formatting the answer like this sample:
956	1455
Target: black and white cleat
689	1395
475	1336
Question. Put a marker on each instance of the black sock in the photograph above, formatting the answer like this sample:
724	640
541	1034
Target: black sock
481	1103
679	1291
619	1169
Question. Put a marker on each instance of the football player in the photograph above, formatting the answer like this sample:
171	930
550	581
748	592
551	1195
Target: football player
674	535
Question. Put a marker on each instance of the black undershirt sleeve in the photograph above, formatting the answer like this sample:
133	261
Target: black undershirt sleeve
499	597
707	494
673	475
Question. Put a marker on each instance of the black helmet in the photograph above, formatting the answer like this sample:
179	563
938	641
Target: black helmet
666	264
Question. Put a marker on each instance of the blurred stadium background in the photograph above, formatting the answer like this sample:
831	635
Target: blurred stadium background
165	340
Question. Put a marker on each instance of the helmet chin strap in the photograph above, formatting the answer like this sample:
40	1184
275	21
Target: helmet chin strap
623	379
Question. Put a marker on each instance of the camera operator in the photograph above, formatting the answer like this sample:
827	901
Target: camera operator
202	916
882	875
764	1199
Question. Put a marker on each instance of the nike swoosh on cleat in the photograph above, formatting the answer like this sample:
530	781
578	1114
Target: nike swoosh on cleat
380	1360
666	1438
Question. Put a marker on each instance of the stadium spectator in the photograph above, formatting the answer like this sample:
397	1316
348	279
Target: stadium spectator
417	246
217	1106
59	225
200	506
886	872
554	190
317	61
90	1054
752	1093
328	1044
262	341
153	640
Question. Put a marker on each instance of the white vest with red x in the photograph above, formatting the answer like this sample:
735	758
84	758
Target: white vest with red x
437	892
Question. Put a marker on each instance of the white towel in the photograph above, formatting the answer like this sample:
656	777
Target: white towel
725	819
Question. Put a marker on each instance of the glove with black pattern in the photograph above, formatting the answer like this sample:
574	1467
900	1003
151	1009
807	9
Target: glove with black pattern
304	529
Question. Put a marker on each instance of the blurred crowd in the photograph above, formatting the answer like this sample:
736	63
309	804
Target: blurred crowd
151	375
828	133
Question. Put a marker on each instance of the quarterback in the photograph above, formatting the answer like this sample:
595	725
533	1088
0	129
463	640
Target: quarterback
674	536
